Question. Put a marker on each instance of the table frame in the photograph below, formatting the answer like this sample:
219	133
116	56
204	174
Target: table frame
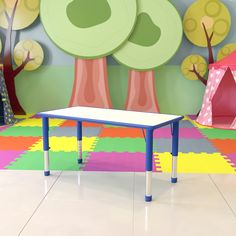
149	145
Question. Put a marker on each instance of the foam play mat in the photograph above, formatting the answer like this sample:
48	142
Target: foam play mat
111	148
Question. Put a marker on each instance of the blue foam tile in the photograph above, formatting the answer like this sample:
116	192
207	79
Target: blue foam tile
71	131
185	145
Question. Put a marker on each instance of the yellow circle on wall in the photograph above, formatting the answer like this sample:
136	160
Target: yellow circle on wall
187	65
0	45
216	18
26	13
226	50
36	52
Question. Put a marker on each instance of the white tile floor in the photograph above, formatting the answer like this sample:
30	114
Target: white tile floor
96	203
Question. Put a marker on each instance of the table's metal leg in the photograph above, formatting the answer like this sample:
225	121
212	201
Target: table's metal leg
175	147
149	154
79	139
46	146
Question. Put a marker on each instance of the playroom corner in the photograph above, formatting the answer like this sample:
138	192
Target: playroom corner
118	117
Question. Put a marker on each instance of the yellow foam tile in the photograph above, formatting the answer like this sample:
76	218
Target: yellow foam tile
23	116
196	163
66	144
35	122
199	126
186	118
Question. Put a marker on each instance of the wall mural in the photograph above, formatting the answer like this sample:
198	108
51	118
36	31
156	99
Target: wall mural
150	45
206	24
89	33
139	34
92	33
17	15
226	50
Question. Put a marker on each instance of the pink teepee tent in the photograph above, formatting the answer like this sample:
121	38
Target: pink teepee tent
219	103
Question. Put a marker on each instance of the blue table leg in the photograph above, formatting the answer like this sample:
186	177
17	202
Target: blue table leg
79	139
149	154
46	146
175	147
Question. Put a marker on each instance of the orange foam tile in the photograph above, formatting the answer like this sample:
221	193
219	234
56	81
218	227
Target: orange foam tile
225	146
121	133
17	143
72	123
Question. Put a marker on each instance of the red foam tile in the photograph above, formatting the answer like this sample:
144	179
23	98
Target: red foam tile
17	143
72	123
226	146
121	133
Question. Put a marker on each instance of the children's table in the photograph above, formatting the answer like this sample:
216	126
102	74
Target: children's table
142	120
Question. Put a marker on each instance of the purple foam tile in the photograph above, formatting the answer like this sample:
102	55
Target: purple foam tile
232	158
191	133
6	157
192	117
117	162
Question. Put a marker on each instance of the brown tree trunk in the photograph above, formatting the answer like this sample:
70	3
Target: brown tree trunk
90	84
141	92
8	71
209	45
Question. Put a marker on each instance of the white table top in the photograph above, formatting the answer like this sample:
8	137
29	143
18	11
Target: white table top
112	116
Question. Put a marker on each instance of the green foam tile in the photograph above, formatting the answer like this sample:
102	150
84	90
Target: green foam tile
218	133
23	131
120	145
58	161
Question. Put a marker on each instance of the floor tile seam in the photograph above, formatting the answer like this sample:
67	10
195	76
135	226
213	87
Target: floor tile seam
39	204
222	195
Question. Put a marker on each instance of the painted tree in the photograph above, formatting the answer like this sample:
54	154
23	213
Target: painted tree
206	24
155	39
89	30
194	67
226	50
16	15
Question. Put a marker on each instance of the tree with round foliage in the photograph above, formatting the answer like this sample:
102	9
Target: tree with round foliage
16	15
194	67
226	50
206	24
89	30
150	45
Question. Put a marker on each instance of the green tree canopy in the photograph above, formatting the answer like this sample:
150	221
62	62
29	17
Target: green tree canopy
88	28
156	36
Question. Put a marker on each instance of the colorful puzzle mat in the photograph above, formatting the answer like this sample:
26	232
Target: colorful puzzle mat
112	148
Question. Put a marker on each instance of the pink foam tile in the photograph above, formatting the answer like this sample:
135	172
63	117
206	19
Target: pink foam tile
191	133
117	162
3	128
6	157
232	158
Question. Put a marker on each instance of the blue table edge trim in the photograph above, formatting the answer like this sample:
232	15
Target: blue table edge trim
111	122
